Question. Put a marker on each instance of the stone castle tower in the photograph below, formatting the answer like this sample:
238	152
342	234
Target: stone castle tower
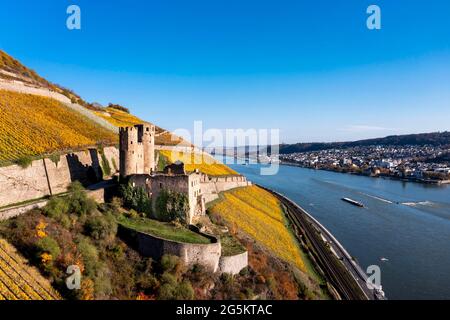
137	149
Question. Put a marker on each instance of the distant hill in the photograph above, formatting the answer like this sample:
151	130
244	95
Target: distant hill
11	69
434	139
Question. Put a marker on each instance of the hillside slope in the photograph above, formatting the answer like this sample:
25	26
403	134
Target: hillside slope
14	71
32	125
260	215
120	118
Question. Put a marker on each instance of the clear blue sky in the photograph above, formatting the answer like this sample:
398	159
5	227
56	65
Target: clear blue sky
310	68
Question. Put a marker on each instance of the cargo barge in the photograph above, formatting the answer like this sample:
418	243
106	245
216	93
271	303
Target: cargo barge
353	202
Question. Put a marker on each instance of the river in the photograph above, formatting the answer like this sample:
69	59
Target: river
407	224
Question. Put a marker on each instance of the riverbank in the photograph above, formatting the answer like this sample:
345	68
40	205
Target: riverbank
392	177
403	226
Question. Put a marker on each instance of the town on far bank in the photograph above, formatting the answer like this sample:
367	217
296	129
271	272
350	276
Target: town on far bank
426	164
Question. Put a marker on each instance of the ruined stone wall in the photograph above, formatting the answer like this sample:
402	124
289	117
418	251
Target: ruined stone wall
10	212
45	177
184	149
212	186
18	210
231	182
21	87
233	264
207	255
17	184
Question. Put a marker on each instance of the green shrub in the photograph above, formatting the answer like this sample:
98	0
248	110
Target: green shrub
105	165
24	161
102	282
54	157
117	252
184	291
171	290
101	227
169	262
114	164
168	288
90	256
172	205
132	214
79	202
147	281
48	245
118	107
56	208
136	198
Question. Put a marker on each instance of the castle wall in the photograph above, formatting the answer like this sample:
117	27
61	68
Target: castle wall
18	184
233	264
45	177
207	255
212	186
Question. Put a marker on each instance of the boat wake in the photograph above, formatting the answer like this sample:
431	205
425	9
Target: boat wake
419	203
377	198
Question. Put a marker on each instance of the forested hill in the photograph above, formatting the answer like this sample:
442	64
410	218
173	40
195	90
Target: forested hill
434	139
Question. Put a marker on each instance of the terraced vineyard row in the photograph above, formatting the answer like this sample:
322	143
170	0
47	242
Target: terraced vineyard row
32	125
18	281
258	213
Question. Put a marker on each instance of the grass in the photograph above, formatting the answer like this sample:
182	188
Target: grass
164	230
230	246
259	214
203	162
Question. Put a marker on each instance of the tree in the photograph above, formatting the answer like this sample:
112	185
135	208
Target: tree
172	205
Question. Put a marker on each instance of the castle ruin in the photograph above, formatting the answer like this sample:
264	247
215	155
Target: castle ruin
137	149
137	163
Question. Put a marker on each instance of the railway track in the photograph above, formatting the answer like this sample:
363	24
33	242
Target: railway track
340	271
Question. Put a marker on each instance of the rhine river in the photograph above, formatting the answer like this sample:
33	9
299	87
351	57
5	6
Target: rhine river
404	227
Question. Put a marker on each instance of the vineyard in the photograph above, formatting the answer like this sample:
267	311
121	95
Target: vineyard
118	118
121	118
32	125
18	281
259	214
204	163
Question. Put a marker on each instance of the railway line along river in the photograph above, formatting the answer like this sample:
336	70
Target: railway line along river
404	227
